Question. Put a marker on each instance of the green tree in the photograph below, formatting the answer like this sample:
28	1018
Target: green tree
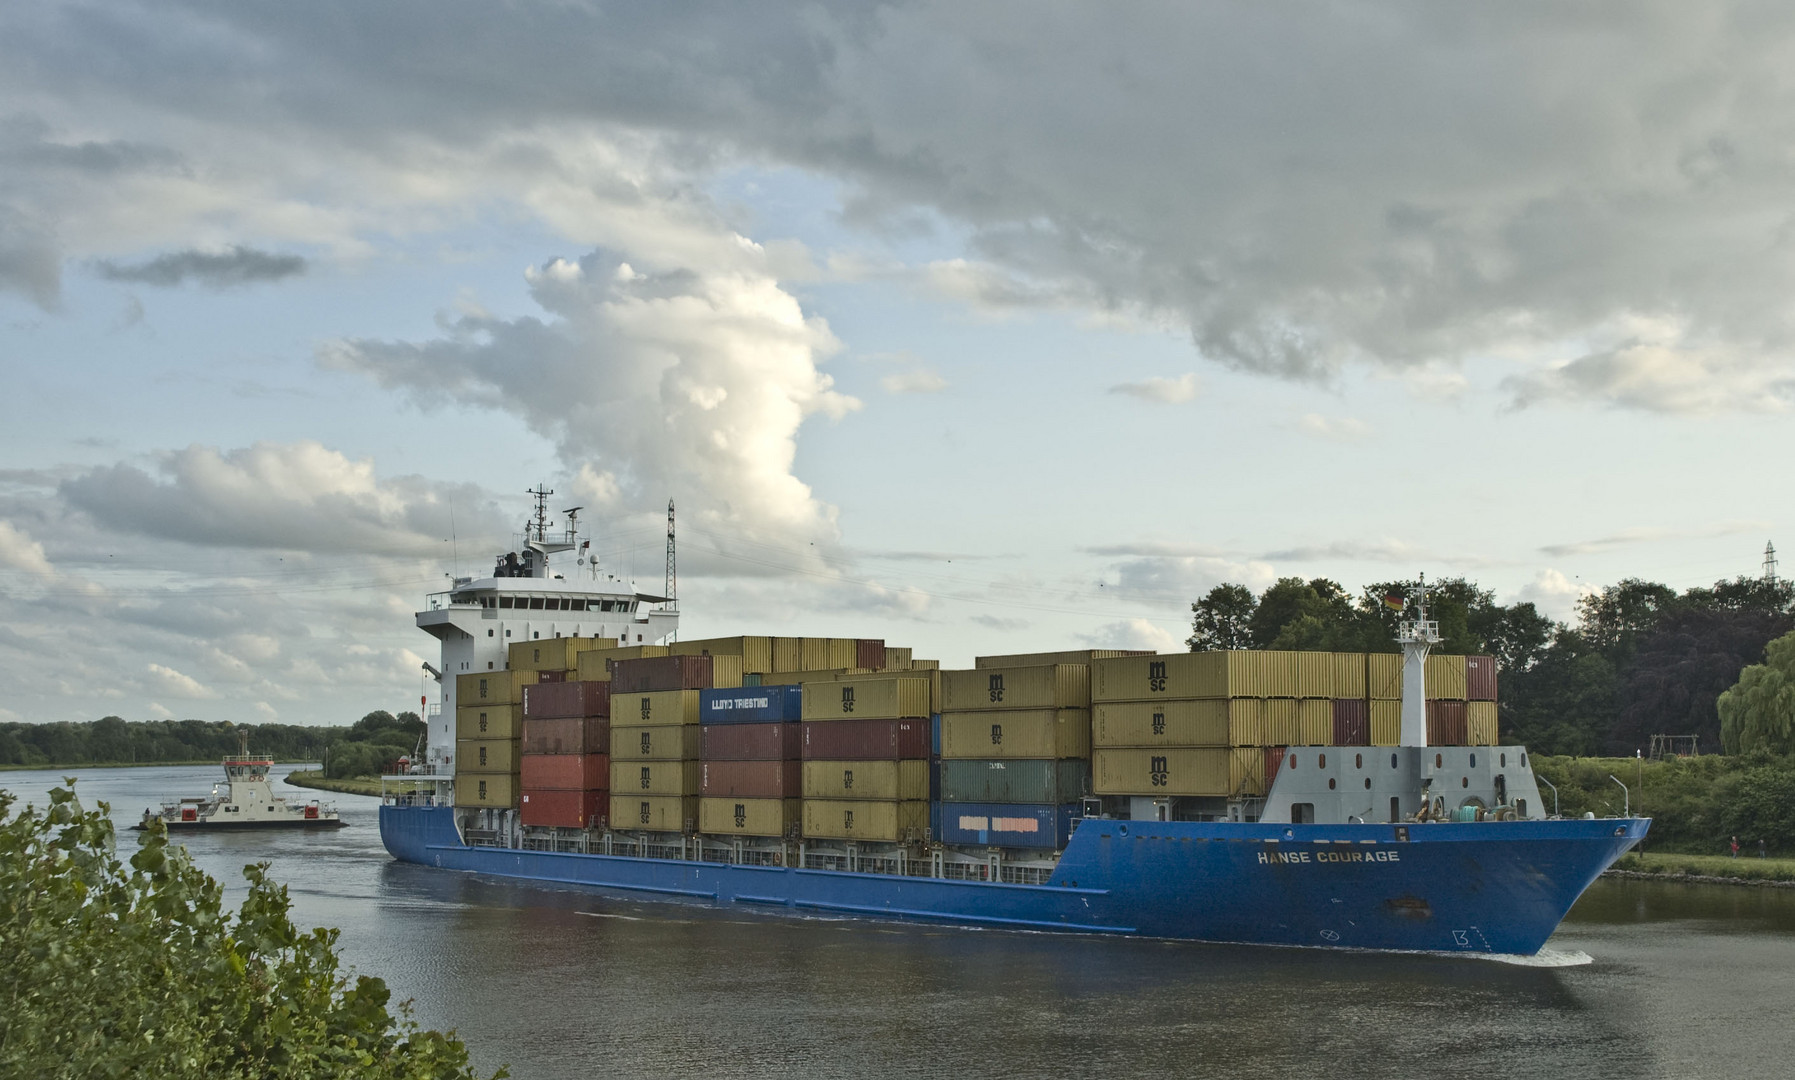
1223	619
1759	711
1320	607
139	970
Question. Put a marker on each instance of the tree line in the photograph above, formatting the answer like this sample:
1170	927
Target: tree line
364	747
1639	659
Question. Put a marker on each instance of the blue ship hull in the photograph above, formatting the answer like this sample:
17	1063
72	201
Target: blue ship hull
1489	887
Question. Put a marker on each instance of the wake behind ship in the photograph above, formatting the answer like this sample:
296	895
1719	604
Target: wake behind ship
1312	799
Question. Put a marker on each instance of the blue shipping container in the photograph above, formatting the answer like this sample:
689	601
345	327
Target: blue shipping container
935	735
751	705
1010	825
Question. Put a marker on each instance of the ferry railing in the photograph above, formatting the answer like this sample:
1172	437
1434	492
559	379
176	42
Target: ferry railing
1554	788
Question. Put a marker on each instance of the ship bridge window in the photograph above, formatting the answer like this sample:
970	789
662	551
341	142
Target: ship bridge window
504	601
535	603
605	605
578	605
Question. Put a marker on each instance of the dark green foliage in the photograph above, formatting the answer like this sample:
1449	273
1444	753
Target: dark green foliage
1697	805
1223	619
370	743
1758	714
138	970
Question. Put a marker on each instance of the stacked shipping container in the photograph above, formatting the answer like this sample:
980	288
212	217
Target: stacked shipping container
488	725
750	748
564	770
866	761
1015	753
655	739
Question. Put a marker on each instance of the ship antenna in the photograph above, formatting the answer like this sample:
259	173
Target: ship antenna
454	544
672	587
542	495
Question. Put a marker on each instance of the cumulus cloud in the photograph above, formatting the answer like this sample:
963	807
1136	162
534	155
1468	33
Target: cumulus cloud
290	496
1554	594
236	265
20	552
691	383
1134	634
172	683
1164	389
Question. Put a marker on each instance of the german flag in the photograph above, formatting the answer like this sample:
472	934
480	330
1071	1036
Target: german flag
1395	601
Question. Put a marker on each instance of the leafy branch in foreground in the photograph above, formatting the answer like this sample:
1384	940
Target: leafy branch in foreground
139	970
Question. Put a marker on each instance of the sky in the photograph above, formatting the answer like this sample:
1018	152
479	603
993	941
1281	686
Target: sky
978	328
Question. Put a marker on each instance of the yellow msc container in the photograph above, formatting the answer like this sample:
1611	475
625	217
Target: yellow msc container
1017	733
1167	771
788	654
1196	722
908	779
1346	673
898	658
486	755
656	743
798	678
749	817
656	708
1383	676
813	652
494	791
1314	674
1480	723
1042	659
654	777
1240	673
1246	770
1386	722
842	652
840	819
1445	678
489	722
868	697
1052	686
552	654
492	687
1278	721
756	652
594	664
1314	722
653	813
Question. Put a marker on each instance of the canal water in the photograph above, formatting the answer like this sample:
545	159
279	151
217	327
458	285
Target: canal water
1643	980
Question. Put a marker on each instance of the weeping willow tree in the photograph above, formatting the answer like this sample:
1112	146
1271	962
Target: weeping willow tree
1759	711
119	970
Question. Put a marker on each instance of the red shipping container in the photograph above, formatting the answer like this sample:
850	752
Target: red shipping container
751	779
564	809
752	742
865	740
869	653
564	772
1446	723
567	735
651	673
551	676
546	701
1480	678
1352	722
1274	760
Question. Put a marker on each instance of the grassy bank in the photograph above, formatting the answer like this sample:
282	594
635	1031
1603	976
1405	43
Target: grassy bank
1697	805
349	785
135	764
1748	869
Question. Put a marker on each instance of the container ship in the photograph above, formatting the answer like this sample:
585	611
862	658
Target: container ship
1334	800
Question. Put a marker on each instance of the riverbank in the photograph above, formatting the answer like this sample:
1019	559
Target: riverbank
347	785
1706	869
137	764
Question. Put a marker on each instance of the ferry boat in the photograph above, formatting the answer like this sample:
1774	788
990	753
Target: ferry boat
1465	860
245	800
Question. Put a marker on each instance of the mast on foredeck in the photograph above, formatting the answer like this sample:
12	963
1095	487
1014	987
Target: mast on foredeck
1416	636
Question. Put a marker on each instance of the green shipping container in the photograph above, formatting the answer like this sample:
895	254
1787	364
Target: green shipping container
1015	781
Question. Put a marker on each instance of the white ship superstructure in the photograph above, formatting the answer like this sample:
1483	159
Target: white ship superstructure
552	586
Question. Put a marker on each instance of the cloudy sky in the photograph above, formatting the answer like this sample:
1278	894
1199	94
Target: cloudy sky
974	327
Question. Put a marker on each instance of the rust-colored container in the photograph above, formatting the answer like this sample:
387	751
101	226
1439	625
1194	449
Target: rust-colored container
1352	722
869	653
751	779
565	772
551	676
752	742
1274	760
652	673
563	809
1480	678
553	700
1446	723
865	740
568	735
